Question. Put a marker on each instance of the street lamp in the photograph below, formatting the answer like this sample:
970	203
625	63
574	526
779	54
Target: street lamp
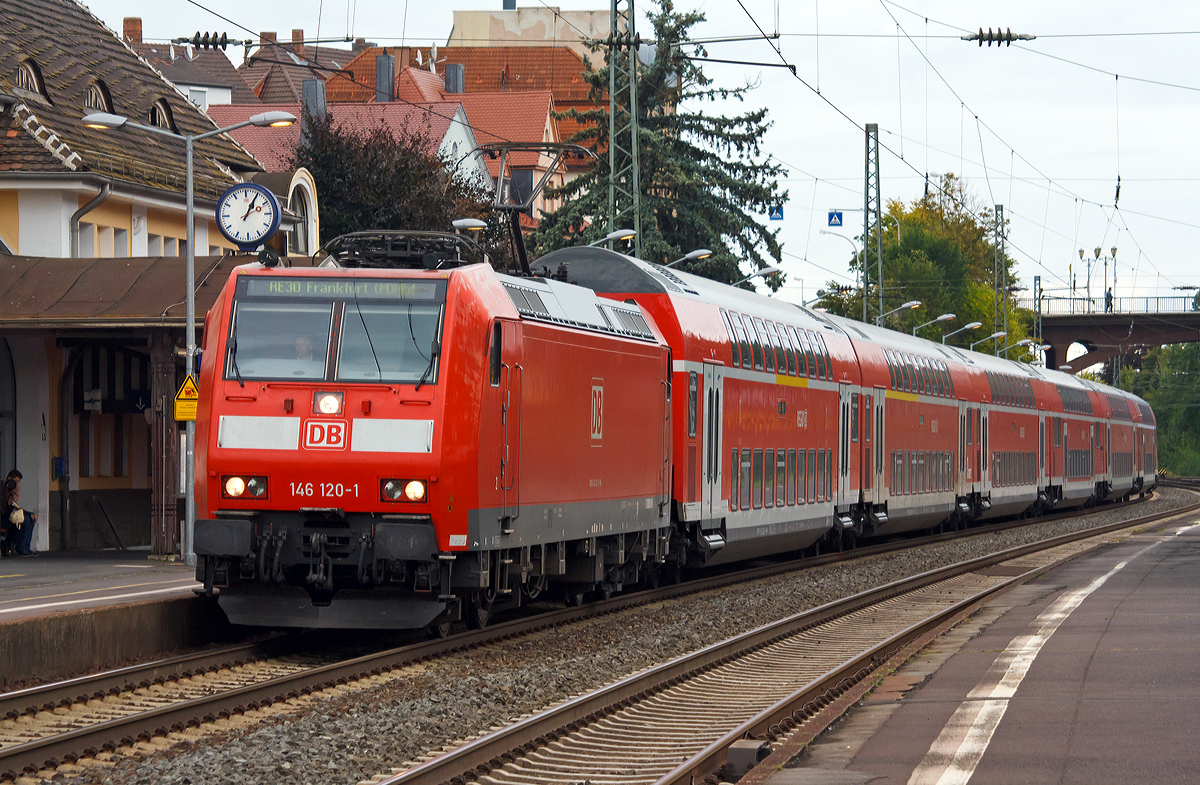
943	318
909	304
861	272
999	334
619	234
1022	342
470	224
106	121
699	253
818	298
764	271
971	326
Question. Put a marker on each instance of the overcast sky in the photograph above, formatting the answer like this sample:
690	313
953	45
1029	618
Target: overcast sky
1052	122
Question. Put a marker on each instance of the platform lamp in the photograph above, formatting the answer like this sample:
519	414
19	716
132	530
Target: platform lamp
999	334
910	304
105	121
943	318
763	272
820	296
619	234
699	253
971	326
1022	342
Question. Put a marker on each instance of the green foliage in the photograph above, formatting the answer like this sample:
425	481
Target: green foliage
703	180
1169	380
385	178
938	250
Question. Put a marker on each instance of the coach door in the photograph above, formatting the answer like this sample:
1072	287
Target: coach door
842	495
1042	450
873	427
711	486
962	487
512	382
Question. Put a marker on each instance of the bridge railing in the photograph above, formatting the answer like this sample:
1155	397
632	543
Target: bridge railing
1052	306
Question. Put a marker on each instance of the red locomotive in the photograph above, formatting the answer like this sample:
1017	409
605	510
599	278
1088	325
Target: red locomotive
403	439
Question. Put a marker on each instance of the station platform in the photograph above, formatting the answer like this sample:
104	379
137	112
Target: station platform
1088	674
72	580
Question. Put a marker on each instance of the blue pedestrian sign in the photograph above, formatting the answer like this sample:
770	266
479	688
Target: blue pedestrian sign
775	213
835	217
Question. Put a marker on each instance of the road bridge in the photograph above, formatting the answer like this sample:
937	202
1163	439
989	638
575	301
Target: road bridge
1132	323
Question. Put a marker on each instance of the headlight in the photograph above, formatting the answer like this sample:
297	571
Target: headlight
403	490
235	487
327	403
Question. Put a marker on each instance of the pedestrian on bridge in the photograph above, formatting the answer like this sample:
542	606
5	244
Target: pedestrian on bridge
1108	300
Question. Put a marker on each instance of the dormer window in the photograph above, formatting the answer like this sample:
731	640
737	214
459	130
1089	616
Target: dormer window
29	80
160	116
98	99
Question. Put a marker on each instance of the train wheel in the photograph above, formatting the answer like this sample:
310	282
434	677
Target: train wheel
478	611
573	599
439	630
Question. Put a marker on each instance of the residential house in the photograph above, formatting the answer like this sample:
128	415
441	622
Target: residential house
276	72
532	25
207	77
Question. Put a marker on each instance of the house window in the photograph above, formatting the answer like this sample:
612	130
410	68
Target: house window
160	116
198	96
98	98
298	237
29	79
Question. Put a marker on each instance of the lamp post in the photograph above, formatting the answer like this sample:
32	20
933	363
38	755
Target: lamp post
943	318
909	304
699	253
818	298
861	272
1022	342
998	334
1097	252
106	121
971	326
619	234
764	271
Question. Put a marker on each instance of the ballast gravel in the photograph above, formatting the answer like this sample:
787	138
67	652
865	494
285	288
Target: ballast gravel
352	736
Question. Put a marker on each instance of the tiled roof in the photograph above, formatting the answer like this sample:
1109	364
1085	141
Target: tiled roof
201	68
276	73
274	146
73	49
417	84
509	117
486	69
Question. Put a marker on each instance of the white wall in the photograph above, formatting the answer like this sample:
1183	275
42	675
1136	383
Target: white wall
33	423
45	222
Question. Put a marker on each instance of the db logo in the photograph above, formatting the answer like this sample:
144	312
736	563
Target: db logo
325	435
597	412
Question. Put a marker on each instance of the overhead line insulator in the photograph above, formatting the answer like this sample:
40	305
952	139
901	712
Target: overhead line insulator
1002	36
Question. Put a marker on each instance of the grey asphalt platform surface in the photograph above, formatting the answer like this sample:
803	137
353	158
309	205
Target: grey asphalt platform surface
1089	674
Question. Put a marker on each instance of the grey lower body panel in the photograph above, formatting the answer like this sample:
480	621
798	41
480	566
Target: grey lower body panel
753	542
915	516
536	523
265	605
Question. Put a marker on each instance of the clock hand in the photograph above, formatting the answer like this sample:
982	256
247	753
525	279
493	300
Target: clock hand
250	208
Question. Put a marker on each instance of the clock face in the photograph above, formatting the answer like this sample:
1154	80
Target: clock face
247	215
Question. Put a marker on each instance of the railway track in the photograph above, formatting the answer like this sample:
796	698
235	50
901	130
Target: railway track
711	715
62	722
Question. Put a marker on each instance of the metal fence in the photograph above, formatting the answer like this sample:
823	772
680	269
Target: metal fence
1079	305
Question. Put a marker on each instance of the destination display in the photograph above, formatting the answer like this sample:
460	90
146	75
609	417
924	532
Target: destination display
341	289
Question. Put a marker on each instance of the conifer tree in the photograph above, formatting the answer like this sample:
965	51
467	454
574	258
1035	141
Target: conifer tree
704	180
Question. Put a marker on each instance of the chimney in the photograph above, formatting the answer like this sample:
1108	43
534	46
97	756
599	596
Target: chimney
298	42
313	105
132	29
359	44
455	78
385	78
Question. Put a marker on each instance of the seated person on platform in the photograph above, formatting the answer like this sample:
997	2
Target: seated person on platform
16	524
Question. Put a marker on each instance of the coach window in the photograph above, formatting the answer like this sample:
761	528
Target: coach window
817	349
757	478
828	358
780	477
769	479
733	342
747	479
780	359
754	344
692	395
820	475
812	476
494	355
854	414
783	349
734	474
740	329
801	476
764	340
791	477
801	364
808	352
795	358
950	376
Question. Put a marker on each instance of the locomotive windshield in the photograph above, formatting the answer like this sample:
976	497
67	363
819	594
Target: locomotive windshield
349	330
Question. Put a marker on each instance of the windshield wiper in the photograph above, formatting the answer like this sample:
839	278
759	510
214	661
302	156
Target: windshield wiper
367	333
233	355
434	350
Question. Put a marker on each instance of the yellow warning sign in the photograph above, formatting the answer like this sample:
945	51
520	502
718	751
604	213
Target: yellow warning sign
187	400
